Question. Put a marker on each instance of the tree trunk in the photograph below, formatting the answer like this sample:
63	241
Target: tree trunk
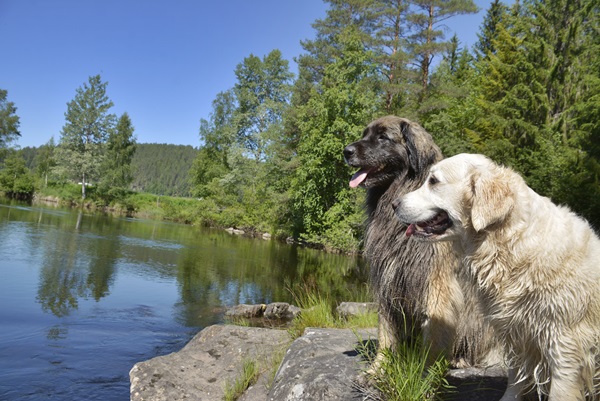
83	186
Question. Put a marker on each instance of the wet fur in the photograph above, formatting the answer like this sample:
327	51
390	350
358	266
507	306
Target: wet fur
534	265
414	283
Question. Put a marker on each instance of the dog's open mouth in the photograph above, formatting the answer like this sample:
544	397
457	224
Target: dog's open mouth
435	226
361	175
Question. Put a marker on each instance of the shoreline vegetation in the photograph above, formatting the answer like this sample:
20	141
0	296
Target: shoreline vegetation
183	210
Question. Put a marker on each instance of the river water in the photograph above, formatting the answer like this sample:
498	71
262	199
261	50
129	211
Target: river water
84	296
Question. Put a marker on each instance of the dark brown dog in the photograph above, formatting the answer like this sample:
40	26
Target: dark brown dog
414	283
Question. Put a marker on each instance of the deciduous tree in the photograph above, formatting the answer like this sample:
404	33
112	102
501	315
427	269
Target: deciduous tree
44	160
9	121
80	151
337	111
16	180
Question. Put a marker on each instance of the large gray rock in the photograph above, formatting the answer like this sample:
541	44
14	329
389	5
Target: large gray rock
273	311
200	370
281	311
323	364
246	311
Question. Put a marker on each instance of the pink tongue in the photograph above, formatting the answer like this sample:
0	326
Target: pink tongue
358	177
410	230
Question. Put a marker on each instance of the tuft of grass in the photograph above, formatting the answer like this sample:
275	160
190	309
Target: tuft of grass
273	363
252	370
318	311
237	321
361	321
404	374
248	376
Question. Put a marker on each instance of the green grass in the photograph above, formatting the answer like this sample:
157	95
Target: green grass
403	374
252	370
248	376
318	311
273	364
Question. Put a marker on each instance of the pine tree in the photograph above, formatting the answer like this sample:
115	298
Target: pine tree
80	151
451	107
389	41
426	41
513	103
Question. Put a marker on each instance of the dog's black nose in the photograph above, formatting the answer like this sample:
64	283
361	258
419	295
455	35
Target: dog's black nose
396	203
349	151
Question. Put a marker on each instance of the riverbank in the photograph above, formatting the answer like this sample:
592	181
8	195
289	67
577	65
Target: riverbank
188	211
154	207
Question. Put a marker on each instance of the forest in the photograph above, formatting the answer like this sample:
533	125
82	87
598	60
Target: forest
270	153
526	95
156	168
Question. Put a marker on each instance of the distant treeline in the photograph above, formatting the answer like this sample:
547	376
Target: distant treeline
157	168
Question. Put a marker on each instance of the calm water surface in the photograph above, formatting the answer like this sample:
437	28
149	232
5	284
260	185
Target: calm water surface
83	297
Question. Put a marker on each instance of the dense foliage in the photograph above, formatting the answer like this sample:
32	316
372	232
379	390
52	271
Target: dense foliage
270	154
526	95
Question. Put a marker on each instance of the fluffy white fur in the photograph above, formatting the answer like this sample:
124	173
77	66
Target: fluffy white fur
534	265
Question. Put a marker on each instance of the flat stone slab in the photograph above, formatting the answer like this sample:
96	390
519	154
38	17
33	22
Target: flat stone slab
322	364
200	370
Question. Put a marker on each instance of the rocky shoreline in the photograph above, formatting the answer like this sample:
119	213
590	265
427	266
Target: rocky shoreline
322	364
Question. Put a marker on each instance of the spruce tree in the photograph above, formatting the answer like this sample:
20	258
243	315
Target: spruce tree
496	14
120	148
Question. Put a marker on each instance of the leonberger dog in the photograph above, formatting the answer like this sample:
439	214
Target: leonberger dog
414	283
534	265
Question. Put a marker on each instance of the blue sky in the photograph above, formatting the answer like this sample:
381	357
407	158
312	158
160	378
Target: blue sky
164	60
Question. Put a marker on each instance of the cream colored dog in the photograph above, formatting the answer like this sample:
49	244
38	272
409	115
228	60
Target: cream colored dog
535	266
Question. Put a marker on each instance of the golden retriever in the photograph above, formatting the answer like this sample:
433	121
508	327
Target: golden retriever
534	265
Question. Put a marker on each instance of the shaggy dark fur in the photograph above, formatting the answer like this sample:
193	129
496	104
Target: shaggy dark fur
414	283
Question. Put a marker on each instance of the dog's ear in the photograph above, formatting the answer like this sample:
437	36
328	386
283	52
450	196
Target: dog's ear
493	198
422	152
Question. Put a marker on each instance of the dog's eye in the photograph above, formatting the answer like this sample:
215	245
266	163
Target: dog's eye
433	180
383	137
